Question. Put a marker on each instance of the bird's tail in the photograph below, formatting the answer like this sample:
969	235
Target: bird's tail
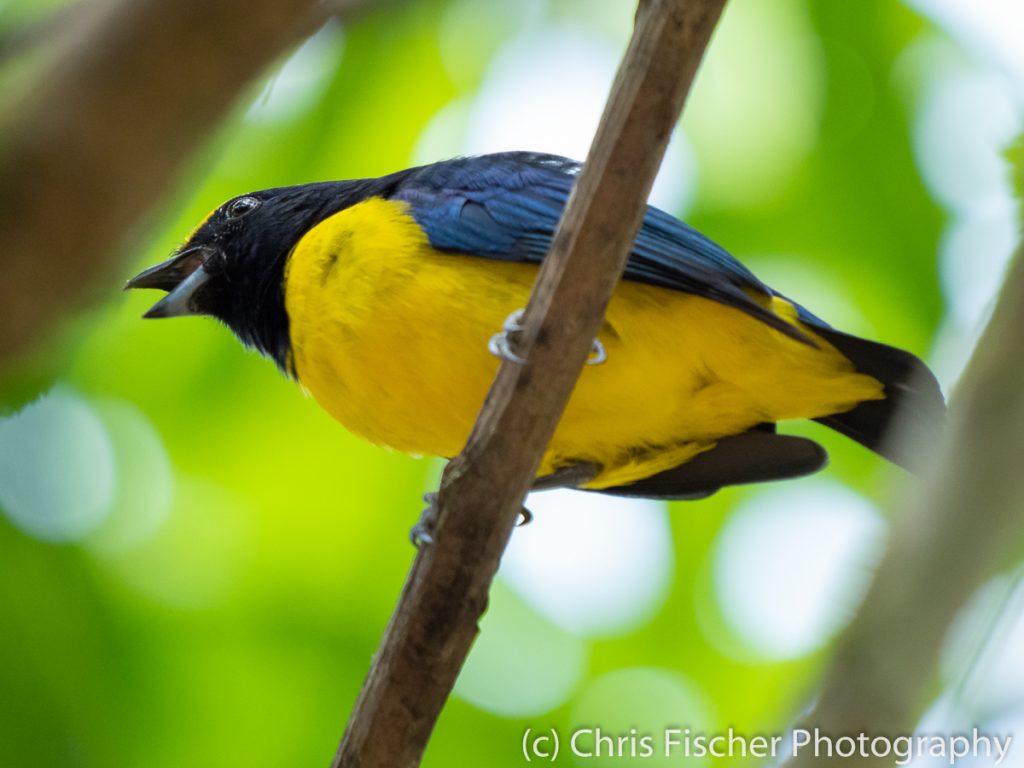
913	400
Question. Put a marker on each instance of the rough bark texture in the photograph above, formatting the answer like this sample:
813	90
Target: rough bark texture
435	622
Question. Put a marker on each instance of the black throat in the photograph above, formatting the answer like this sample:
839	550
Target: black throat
266	326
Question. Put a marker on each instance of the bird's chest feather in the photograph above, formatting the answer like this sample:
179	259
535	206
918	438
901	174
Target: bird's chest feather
389	335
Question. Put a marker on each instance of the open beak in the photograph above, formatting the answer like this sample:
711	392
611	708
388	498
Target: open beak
181	276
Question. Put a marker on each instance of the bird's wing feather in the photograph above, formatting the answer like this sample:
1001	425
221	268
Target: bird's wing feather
756	456
507	206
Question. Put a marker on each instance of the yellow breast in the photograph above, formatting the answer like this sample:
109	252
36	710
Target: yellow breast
390	337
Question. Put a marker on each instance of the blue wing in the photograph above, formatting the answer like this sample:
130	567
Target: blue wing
506	207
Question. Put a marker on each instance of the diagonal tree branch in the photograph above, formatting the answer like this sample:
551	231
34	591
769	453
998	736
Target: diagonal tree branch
962	525
482	490
90	150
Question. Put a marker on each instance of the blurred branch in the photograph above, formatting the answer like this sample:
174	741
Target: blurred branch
91	149
48	27
962	525
482	491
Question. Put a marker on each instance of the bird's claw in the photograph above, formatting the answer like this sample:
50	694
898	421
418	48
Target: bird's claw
422	534
598	354
500	343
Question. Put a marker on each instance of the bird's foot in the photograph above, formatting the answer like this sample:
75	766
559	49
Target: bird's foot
500	344
422	534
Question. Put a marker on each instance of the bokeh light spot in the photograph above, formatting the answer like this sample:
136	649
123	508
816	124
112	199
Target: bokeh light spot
791	564
57	469
965	122
965	119
992	29
593	564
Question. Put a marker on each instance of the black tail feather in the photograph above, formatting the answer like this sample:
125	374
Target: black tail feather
913	400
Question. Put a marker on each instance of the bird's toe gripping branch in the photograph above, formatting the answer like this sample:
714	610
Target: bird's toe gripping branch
422	534
500	344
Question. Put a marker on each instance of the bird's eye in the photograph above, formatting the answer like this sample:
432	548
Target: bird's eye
242	206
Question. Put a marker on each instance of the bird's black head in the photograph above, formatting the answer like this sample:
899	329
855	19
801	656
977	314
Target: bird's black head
232	266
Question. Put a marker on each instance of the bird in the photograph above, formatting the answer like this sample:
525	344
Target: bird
392	300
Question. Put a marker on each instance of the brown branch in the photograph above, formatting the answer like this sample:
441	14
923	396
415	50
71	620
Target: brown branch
99	137
482	491
47	29
962	525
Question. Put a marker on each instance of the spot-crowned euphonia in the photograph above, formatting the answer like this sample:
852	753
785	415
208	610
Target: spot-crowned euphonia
382	298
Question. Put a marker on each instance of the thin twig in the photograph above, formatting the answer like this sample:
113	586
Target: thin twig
482	491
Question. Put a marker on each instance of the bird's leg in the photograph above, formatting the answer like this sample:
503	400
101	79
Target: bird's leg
500	344
422	534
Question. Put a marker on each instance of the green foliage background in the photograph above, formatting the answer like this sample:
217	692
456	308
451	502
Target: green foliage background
227	607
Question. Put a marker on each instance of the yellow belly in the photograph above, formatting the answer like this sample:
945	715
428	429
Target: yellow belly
390	337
